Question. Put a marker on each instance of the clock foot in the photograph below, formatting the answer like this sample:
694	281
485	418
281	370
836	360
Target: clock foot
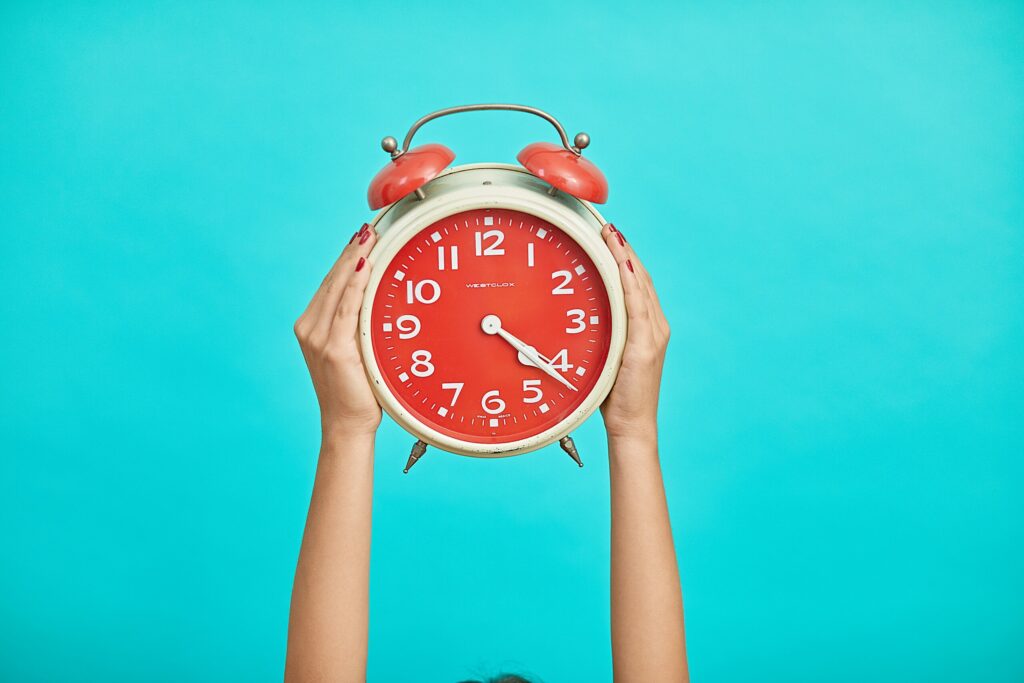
418	449
569	447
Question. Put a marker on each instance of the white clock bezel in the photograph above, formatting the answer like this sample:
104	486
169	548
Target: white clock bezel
478	186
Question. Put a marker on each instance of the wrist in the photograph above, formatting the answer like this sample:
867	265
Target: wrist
341	439
633	445
348	426
636	430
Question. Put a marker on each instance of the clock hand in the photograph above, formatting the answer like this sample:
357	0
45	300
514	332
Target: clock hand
491	324
526	361
539	361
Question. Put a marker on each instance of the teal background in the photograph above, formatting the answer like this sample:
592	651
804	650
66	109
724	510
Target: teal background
829	196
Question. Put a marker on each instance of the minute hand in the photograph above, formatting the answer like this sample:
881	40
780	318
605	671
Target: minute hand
534	357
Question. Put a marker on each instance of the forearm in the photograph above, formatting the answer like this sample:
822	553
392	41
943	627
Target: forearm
648	641
327	632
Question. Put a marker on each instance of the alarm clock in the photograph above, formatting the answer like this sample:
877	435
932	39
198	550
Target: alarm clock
493	322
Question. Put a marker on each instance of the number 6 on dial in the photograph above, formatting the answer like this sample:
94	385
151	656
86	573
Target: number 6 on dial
491	403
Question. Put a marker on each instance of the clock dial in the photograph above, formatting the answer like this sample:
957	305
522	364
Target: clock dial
491	325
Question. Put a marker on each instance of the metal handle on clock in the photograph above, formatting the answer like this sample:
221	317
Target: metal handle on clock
580	142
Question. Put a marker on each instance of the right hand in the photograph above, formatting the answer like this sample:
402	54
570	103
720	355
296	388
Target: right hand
631	408
328	335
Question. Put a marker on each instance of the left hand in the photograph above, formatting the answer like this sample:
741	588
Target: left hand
328	335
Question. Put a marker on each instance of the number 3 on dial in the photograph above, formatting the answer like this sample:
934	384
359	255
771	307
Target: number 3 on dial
577	315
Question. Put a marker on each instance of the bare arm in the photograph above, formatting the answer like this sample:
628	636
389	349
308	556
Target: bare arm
648	638
327	630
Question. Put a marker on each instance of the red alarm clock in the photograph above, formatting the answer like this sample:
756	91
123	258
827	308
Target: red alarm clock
494	321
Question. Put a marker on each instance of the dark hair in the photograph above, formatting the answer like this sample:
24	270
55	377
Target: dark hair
502	678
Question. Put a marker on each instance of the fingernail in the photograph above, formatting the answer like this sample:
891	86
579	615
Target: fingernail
611	227
362	262
354	236
629	264
362	230
622	240
365	236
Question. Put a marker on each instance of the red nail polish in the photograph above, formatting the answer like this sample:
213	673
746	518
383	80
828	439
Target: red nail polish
629	264
362	262
621	239
365	236
364	229
611	227
354	236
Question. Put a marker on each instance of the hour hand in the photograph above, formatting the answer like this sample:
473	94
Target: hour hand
526	361
491	324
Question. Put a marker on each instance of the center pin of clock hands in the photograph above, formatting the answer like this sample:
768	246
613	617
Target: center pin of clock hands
491	324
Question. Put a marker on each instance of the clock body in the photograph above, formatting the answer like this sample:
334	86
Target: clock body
489	246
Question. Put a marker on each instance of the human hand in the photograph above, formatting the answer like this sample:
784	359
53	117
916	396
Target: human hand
631	408
328	335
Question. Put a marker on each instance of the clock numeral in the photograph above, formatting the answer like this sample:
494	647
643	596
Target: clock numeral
533	386
491	404
456	387
566	278
421	365
529	255
416	291
453	257
578	316
560	361
492	249
408	326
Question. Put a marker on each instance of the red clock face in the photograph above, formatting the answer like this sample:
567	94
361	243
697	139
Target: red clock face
491	326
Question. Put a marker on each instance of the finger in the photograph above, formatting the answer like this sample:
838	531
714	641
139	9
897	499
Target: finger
652	295
314	302
622	249
346	317
623	252
358	248
638	311
618	243
307	322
